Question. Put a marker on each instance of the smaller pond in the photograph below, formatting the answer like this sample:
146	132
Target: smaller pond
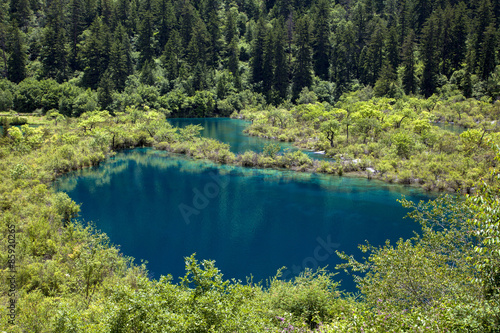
230	131
451	127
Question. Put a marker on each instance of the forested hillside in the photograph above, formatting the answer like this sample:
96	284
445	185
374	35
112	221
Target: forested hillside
212	57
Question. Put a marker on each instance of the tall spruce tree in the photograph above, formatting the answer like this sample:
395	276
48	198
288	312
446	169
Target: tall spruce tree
120	58
257	61
303	61
145	42
172	55
16	62
321	39
95	53
281	66
54	57
429	51
408	56
487	57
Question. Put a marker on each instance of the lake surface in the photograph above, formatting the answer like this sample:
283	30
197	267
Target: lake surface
230	131
161	207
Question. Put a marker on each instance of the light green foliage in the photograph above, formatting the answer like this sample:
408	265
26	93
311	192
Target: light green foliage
271	149
396	138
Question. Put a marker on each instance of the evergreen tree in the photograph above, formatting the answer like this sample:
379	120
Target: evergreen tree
321	40
375	55
198	46
267	66
166	22
385	85
281	71
484	17
408	55
19	11
76	27
213	29
147	73
344	56
145	42
123	14
422	10
105	91
3	39
16	62
96	53
54	57
257	61
445	40
303	64
429	46
487	57
393	48
459	32
172	55
187	20
233	61
120	64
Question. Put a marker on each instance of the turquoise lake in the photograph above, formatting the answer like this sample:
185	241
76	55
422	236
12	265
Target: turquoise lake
231	131
161	207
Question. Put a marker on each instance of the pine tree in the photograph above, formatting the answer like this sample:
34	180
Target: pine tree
393	48
172	55
54	57
187	20
487	57
484	17
281	71
105	91
76	27
19	11
459	32
408	55
268	66
166	22
303	64
233	63
321	40
211	9
257	61
374	56
96	53
446	42
16	62
429	42
120	58
198	46
145	42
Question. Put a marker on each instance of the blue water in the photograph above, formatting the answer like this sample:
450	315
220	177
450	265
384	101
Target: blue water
230	131
252	222
457	129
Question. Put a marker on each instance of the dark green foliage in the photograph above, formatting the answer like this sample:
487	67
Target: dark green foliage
321	39
120	58
95	52
429	46
17	60
53	54
273	48
303	61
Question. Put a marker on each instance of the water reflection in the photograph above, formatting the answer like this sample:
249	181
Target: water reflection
161	207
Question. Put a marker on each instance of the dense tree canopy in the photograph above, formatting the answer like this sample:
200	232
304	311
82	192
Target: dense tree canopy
273	48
